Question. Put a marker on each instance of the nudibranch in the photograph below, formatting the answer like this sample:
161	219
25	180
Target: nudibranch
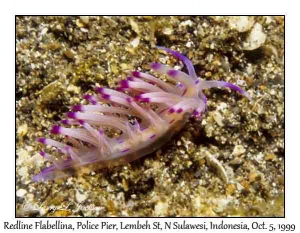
146	110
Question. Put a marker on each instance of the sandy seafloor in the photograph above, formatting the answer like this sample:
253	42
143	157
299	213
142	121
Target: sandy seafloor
58	59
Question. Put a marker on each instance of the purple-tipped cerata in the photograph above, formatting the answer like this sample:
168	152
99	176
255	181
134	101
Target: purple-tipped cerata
159	110
56	129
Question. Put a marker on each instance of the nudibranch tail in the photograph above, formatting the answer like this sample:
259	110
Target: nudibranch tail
144	111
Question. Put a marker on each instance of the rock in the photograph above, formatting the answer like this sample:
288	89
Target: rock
22	130
239	187
29	197
79	23
21	192
168	31
230	189
240	23
37	159
85	19
222	204
255	39
269	157
44	31
161	208
70	53
125	185
23	157
134	26
80	197
189	44
218	118
74	89
197	202
259	157
135	42
236	161
238	150
23	171
186	23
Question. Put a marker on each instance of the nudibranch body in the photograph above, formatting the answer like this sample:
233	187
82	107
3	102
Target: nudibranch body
158	109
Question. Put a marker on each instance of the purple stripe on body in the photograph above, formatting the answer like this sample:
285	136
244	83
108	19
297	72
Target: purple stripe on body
123	151
120	141
162	110
152	136
170	122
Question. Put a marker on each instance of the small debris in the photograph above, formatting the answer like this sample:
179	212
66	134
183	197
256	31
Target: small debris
238	150
85	19
135	42
256	38
230	189
69	53
23	172
212	161
241	23
221	204
79	23
125	185
22	130
189	44
239	187
186	23
218	118
23	157
168	31
80	197
44	31
21	192
74	89
269	157
161	208
134	26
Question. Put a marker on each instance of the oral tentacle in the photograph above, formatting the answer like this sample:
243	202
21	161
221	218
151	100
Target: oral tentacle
210	84
184	59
